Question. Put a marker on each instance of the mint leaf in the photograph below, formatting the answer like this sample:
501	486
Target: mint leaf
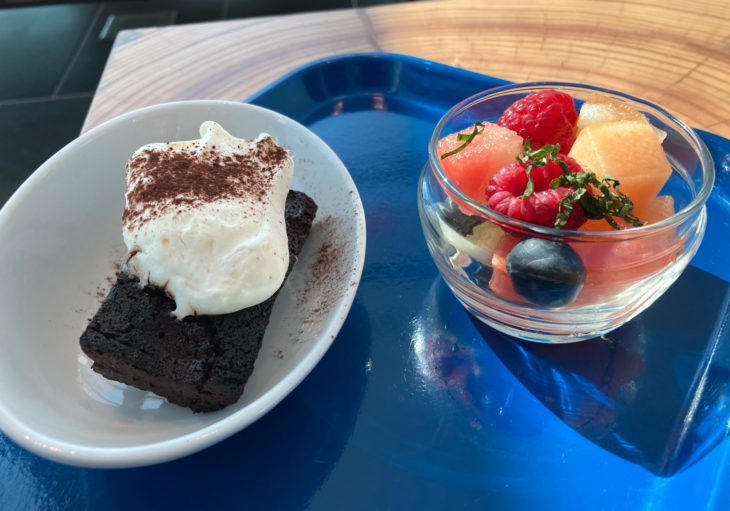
565	207
529	188
535	159
608	204
467	139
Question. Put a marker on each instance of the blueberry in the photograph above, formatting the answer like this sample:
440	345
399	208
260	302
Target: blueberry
546	272
458	221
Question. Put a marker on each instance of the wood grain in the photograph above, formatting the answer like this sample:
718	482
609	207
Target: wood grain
674	53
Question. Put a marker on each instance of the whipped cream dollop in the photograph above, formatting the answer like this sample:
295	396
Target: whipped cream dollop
205	220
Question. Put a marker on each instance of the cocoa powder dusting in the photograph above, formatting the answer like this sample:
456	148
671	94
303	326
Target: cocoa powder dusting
186	178
332	266
102	290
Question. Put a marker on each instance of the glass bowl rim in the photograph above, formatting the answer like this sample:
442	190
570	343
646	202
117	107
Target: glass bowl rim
697	202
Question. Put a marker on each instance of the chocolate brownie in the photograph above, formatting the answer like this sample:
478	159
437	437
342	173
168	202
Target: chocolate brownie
200	362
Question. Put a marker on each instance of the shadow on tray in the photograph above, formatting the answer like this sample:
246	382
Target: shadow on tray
654	392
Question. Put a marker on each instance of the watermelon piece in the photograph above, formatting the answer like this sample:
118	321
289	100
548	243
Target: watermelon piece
612	268
473	167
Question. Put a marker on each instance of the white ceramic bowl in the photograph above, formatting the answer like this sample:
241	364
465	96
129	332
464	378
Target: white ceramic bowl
60	238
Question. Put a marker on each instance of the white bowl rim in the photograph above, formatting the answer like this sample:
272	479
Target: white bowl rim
159	452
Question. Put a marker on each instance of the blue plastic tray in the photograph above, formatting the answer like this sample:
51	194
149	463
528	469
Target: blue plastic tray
417	405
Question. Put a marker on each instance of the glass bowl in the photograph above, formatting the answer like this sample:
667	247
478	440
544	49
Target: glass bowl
625	271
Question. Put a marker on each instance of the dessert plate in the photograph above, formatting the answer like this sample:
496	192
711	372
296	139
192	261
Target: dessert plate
60	247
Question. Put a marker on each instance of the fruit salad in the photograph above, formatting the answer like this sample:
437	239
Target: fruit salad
598	168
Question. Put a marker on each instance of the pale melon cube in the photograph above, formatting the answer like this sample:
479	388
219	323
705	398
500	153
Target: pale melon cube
480	245
628	151
599	108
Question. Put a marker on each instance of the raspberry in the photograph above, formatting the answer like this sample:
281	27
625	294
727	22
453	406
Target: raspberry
542	176
541	207
546	117
573	166
551	199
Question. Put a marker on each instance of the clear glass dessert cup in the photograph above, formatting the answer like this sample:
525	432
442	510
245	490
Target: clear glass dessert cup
626	271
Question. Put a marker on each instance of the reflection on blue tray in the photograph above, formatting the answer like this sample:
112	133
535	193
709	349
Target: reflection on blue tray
418	406
659	399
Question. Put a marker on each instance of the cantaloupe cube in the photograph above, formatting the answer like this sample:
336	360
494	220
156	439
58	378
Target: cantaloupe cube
628	151
660	208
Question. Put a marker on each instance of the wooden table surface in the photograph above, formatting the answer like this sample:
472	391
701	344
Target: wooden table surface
675	53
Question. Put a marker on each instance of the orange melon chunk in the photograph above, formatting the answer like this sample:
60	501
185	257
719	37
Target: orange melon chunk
628	151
